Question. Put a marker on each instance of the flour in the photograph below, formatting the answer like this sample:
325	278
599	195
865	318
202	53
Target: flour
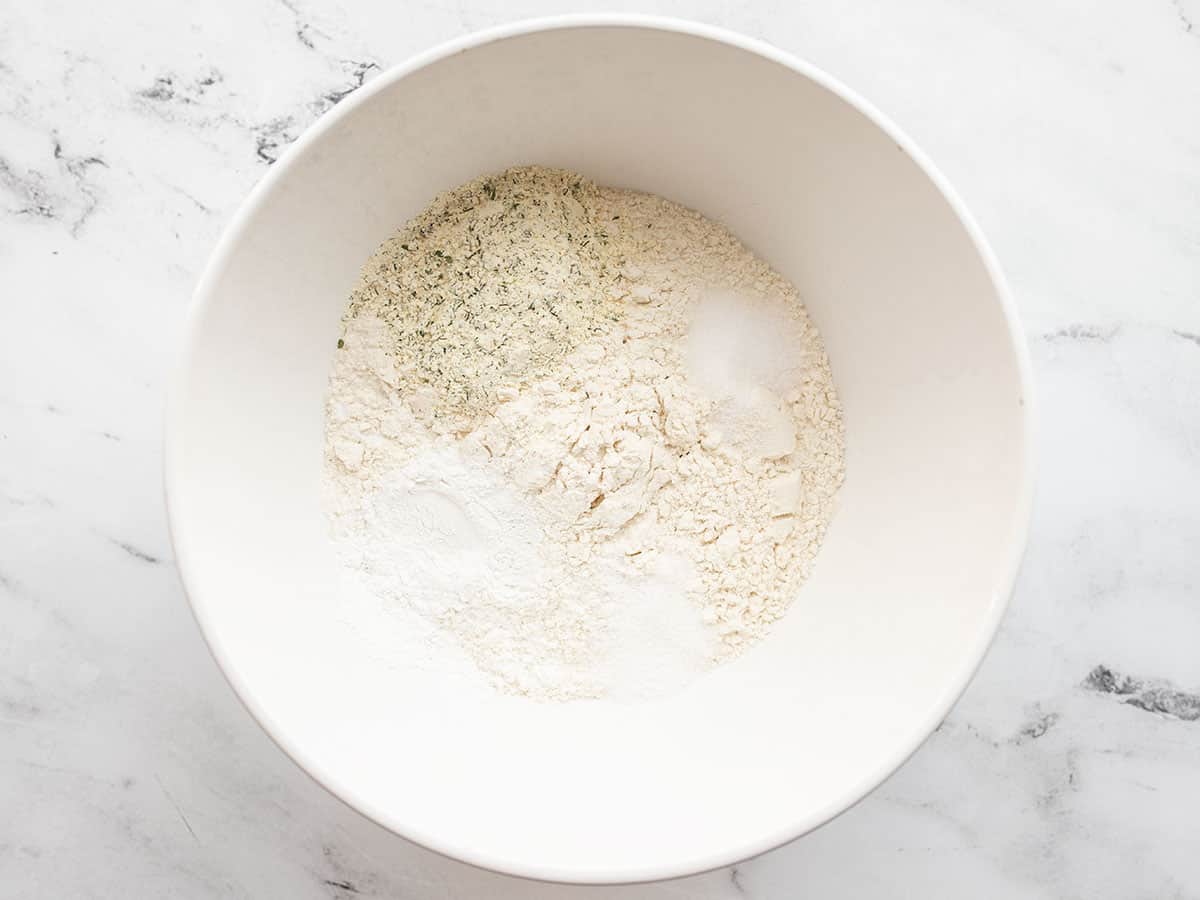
492	285
602	457
427	524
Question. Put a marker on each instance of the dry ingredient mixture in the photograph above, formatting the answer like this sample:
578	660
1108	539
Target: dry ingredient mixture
583	431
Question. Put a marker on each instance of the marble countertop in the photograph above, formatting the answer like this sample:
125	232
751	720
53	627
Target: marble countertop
129	132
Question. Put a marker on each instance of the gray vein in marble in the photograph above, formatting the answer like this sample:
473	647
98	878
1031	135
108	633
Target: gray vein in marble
342	878
1080	332
1038	725
1184	19
18	712
169	88
272	137
1151	696
8	584
1188	336
303	28
136	552
207	210
170	91
33	499
38	199
30	189
1065	782
735	879
1037	728
358	76
178	809
62	770
77	167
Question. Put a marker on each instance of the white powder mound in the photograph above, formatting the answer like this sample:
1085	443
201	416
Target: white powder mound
434	531
612	512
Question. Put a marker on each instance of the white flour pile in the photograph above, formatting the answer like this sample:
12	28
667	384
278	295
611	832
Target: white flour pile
584	432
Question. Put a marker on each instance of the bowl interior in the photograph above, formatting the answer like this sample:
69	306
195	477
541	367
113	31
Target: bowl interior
913	575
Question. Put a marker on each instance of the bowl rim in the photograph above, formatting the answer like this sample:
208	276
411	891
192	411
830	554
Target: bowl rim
173	466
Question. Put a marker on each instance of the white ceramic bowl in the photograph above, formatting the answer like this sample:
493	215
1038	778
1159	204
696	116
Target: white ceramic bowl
917	566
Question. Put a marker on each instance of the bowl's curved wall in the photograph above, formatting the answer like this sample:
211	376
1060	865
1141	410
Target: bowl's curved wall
917	565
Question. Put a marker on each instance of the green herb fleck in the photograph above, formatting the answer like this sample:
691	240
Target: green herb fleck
341	343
